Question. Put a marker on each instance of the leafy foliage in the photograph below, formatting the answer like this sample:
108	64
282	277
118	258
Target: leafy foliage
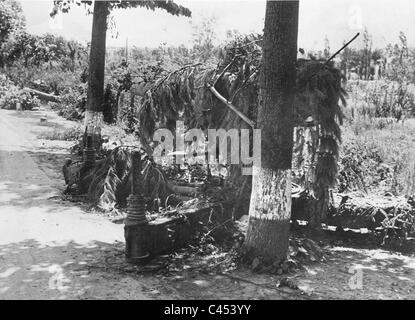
204	38
185	95
401	61
11	19
377	159
169	100
11	95
69	134
167	5
37	50
109	184
360	165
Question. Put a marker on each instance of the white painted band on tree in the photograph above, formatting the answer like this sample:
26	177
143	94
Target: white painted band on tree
94	121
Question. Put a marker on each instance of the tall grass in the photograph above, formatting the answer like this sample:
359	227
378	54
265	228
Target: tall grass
378	155
68	134
380	99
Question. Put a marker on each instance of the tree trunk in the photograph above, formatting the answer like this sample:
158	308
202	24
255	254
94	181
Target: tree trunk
270	206
318	208
95	95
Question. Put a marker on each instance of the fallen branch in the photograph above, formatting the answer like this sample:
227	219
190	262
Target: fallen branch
43	95
231	106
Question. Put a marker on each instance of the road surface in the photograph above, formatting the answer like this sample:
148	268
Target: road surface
47	246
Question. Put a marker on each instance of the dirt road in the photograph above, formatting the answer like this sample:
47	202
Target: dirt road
45	244
54	249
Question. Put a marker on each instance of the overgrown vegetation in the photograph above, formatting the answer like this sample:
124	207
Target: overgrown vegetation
378	159
152	88
69	134
11	96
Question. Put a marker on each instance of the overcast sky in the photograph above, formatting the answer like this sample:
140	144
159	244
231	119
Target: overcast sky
337	19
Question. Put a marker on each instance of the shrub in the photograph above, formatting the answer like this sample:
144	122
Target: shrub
378	158
358	165
72	104
10	95
380	99
70	134
5	84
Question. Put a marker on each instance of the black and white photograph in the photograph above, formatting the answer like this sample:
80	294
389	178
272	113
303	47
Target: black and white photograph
187	151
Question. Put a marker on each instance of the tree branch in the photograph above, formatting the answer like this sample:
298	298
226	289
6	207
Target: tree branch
342	48
173	72
43	95
224	70
231	106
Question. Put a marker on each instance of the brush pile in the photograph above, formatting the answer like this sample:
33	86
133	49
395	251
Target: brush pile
224	96
391	217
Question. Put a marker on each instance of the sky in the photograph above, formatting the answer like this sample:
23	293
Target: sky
338	20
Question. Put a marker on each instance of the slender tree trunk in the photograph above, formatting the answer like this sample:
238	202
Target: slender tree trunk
270	206
95	94
318	208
